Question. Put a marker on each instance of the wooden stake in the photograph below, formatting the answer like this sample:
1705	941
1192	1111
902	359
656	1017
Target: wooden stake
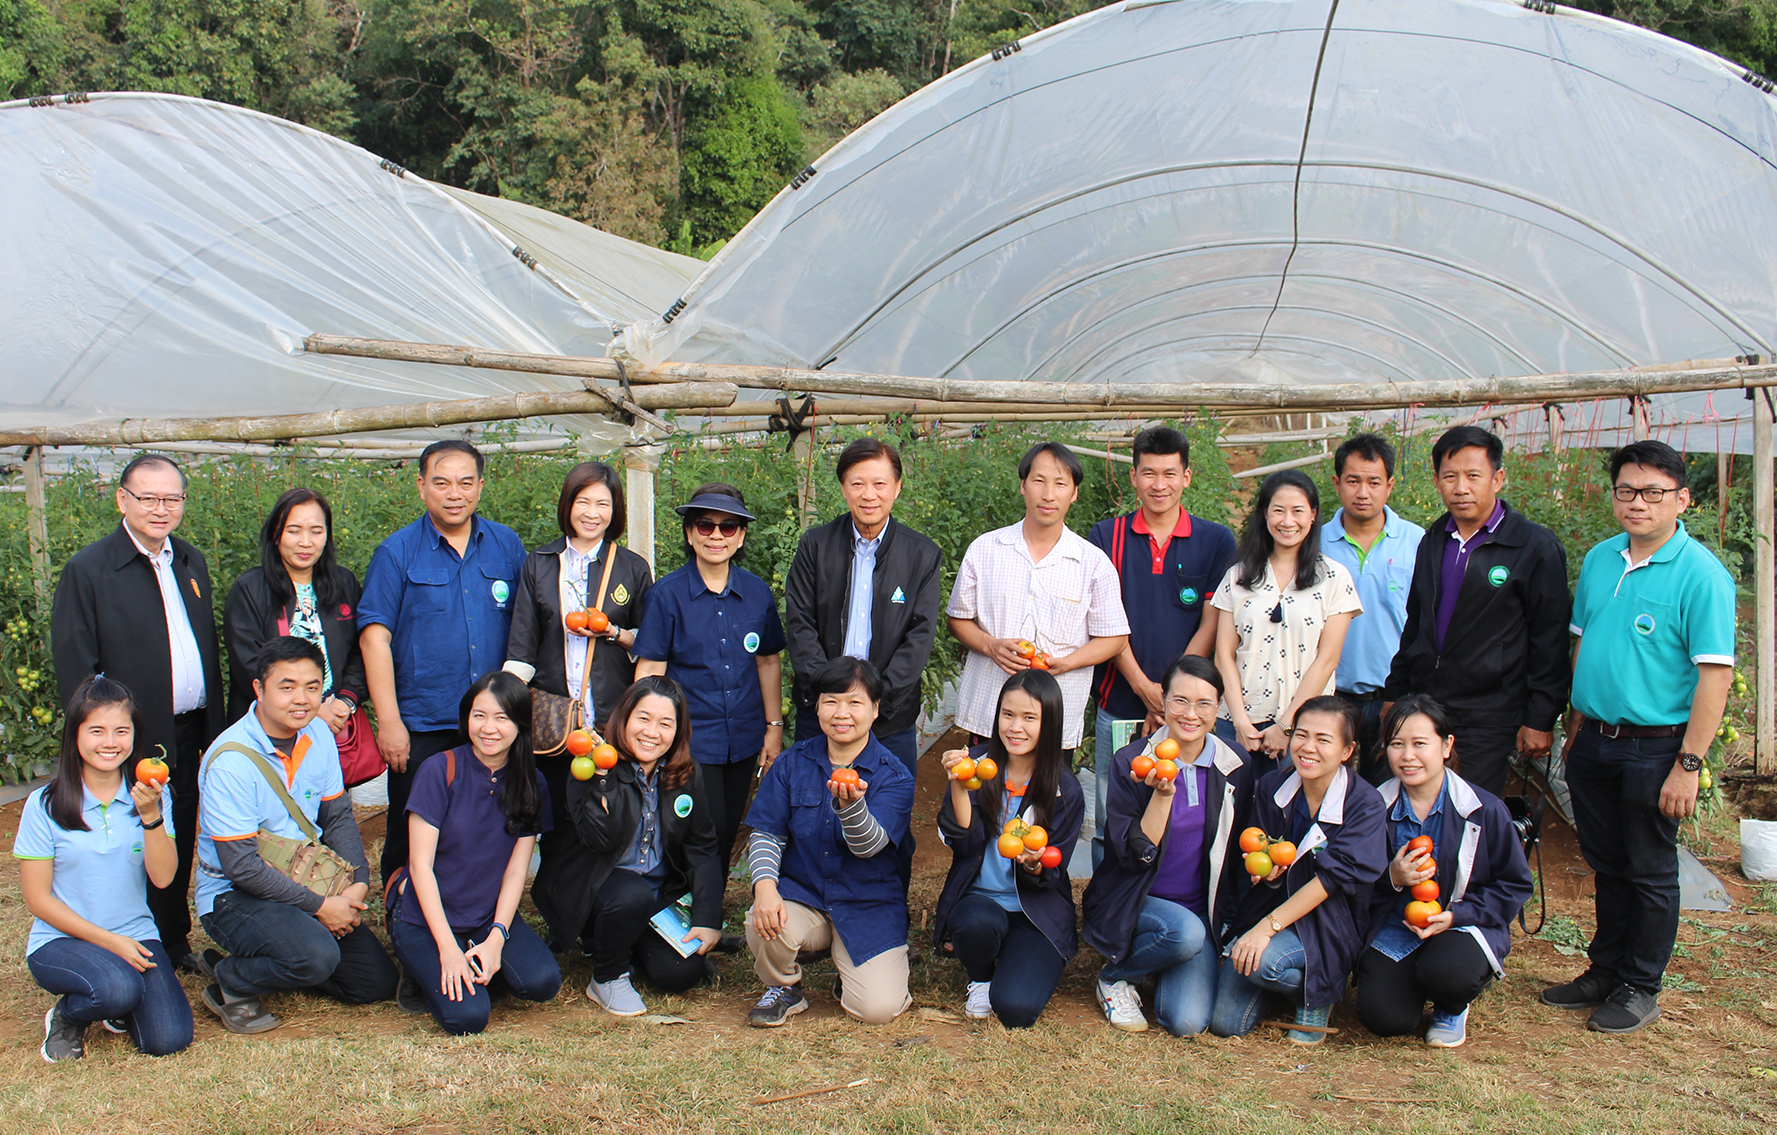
639	464
37	526
1764	529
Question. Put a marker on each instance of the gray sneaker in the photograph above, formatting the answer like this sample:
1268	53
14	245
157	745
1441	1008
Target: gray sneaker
239	1016
618	997
1626	1010
62	1039
780	1003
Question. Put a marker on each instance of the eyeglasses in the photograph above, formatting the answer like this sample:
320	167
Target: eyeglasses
155	504
1652	494
1185	705
704	526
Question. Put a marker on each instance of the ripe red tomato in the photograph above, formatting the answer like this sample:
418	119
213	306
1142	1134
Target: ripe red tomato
845	776
1253	839
1426	891
605	756
575	620
1040	662
1051	857
152	770
597	621
1141	766
579	743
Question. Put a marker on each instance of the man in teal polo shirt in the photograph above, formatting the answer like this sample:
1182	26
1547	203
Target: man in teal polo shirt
1378	547
1651	673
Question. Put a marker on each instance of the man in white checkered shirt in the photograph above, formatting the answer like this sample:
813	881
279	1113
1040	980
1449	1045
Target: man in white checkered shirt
1039	582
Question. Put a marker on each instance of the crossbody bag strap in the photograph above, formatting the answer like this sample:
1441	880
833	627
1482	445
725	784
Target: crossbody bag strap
272	778
597	604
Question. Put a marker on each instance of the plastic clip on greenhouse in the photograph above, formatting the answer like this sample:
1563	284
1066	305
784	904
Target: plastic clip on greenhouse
1243	207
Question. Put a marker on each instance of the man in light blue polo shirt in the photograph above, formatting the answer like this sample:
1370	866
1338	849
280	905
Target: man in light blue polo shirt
1654	613
1377	546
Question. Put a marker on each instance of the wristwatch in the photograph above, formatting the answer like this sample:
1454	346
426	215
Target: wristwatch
1276	927
1690	762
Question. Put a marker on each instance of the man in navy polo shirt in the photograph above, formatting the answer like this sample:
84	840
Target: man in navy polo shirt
433	618
1377	546
1167	580
1654	613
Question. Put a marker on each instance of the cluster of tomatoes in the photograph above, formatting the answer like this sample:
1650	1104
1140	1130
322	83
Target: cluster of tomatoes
1164	762
1038	659
594	620
1425	894
974	774
590	754
1018	837
1264	854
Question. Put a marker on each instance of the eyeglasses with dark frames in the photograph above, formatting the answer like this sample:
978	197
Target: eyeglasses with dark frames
155	503
1652	494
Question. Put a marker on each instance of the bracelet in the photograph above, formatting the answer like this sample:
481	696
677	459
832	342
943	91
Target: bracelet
774	725
505	934
157	823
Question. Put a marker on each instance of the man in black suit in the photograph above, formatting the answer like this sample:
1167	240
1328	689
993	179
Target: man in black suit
135	606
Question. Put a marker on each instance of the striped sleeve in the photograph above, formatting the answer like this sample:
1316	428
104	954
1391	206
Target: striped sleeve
864	837
765	852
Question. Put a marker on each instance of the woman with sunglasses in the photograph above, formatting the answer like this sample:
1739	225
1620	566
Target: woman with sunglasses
713	628
1158	905
1284	608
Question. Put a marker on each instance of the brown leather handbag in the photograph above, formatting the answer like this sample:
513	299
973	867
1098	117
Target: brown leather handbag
553	717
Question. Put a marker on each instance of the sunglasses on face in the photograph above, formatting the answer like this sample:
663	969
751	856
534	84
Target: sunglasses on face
704	526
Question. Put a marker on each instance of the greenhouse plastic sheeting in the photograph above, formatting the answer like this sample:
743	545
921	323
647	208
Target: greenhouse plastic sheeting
166	257
1141	195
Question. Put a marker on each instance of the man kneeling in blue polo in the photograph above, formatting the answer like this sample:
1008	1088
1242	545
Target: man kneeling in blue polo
280	935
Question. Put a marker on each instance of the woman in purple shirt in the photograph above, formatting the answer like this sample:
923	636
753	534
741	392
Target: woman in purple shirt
472	819
1158	906
1011	921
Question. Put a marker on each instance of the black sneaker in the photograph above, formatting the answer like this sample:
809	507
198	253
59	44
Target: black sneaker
1586	991
409	997
780	1003
62	1039
205	962
243	1016
1626	1010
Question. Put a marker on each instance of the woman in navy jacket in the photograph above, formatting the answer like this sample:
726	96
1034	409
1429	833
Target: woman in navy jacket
1300	928
1157	905
1477	865
1011	921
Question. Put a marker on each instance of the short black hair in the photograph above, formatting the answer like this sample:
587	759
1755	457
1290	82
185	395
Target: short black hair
844	672
287	648
582	477
1369	447
867	449
1192	666
1653	454
1160	441
1465	437
141	460
1339	708
451	445
1056	450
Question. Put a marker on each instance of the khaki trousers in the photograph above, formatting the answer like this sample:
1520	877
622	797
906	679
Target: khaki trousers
875	992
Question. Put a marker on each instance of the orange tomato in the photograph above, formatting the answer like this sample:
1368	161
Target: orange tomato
962	770
1011	846
1166	750
582	768
605	756
152	770
1426	891
845	776
1258	864
985	769
1253	839
1036	839
1420	843
597	621
1141	766
1420	914
1282	853
1026	648
1167	770
579	743
1040	662
575	620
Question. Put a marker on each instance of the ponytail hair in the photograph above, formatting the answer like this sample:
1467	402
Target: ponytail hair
65	796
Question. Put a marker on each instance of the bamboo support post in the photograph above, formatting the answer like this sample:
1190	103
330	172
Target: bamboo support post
37	524
1764	527
639	464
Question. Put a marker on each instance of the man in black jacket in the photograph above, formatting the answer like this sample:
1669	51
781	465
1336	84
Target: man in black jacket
888	616
135	606
1487	615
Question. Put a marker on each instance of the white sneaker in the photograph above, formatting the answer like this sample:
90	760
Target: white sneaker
618	997
978	1007
1122	1006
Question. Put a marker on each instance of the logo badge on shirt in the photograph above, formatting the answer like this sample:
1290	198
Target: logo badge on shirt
620	596
1497	577
501	591
682	807
751	642
1644	623
1188	596
898	596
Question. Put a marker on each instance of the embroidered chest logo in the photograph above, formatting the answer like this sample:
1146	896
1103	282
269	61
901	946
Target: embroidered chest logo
501	591
751	642
1188	596
1498	576
1644	623
620	595
898	596
682	807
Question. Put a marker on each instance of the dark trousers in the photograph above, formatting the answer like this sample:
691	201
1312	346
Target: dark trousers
1631	848
1449	970
527	970
1004	947
274	946
1372	758
171	904
619	939
97	985
420	746
904	745
1484	754
728	786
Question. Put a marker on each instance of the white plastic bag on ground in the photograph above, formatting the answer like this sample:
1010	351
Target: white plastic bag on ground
1758	850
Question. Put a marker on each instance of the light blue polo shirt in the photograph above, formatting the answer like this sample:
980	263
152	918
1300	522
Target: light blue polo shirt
234	800
1383	576
1646	627
99	873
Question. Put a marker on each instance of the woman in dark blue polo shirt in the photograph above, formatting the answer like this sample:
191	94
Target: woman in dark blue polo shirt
828	822
1011	921
713	628
472	820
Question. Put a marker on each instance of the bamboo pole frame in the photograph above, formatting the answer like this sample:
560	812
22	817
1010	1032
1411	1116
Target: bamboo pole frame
1764	571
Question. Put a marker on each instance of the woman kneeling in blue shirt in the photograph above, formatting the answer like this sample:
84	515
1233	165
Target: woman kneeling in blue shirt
472	820
1158	905
1011	920
88	843
1479	871
825	857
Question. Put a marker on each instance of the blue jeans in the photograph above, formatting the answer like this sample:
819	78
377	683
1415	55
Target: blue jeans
1102	755
1241	1001
1004	947
274	947
527	968
1171	946
97	985
1632	850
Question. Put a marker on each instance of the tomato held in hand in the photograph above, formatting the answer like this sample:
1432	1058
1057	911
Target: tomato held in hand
152	770
579	743
985	769
1026	648
1011	846
1258	864
1166	750
597	621
962	770
1282	853
1051	857
1166	770
1036	839
582	768
1419	914
1420	843
1041	661
605	756
574	620
845	776
1253	839
1426	891
1141	766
